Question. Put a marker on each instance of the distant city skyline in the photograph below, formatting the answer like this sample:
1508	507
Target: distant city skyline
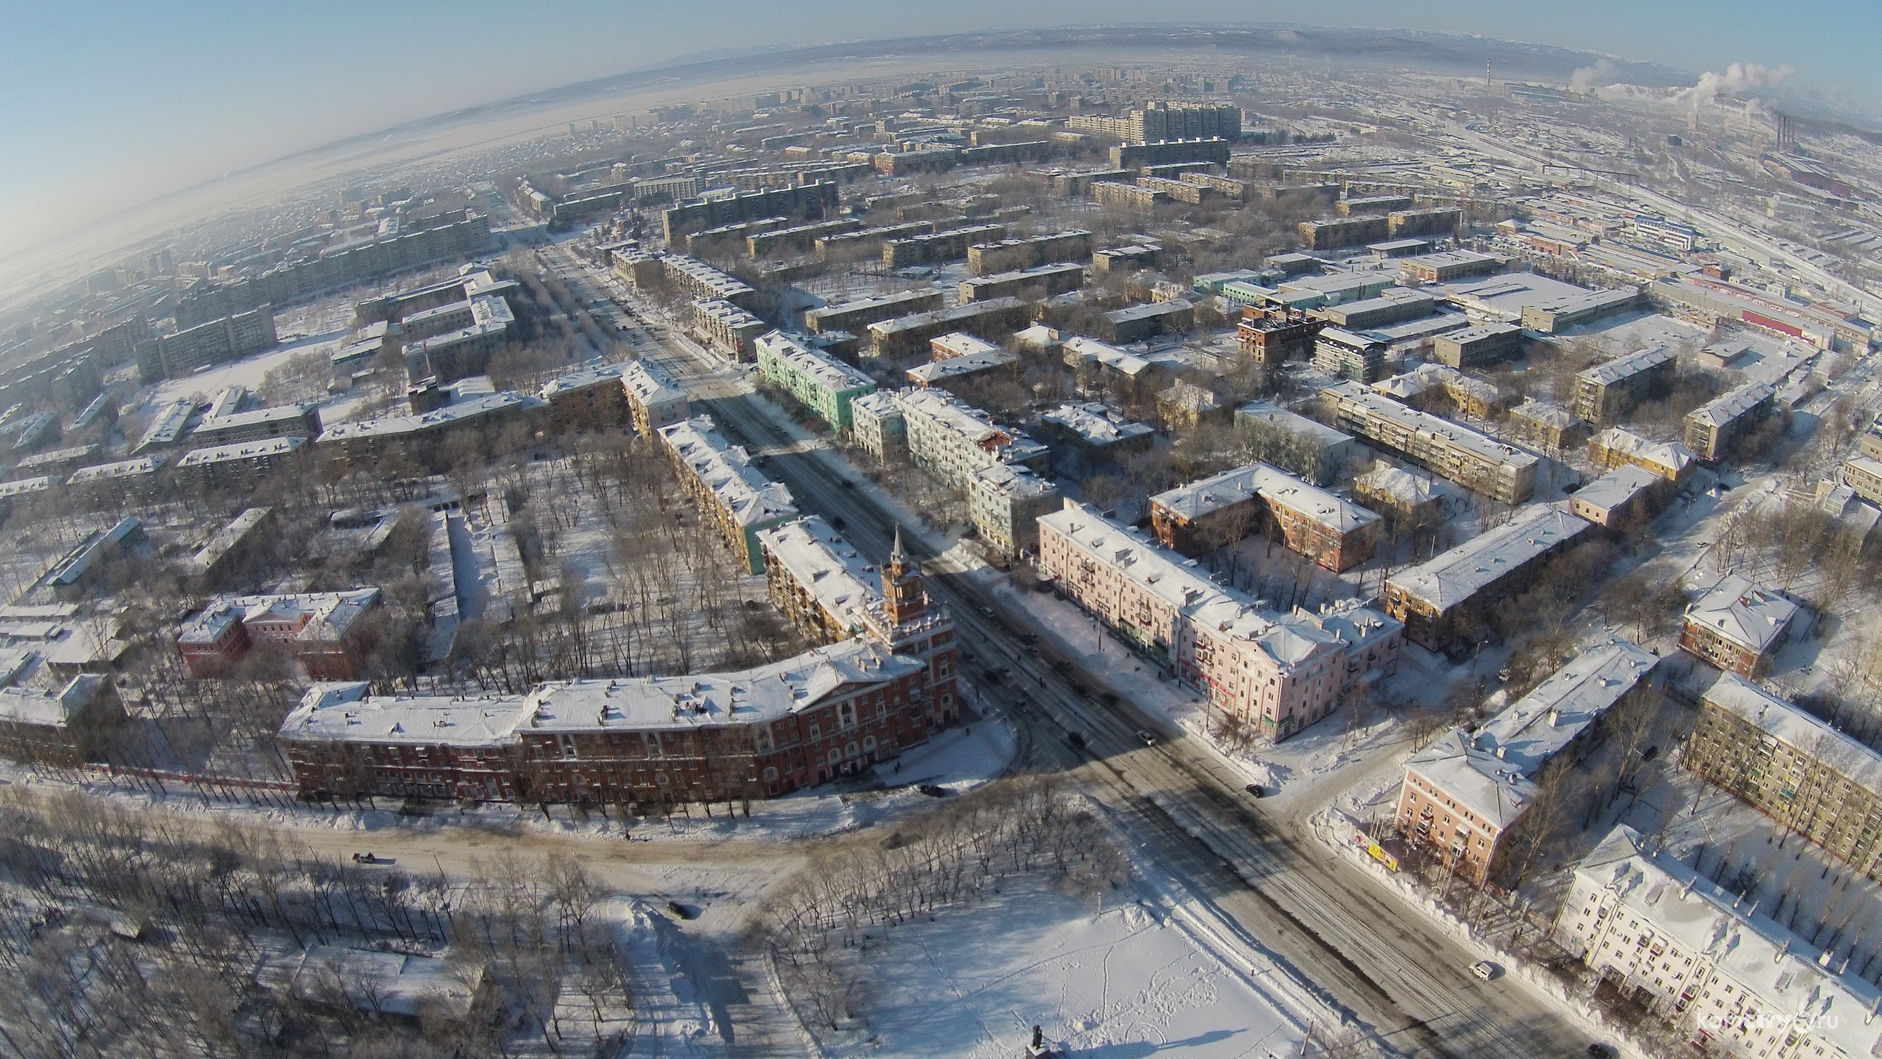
105	104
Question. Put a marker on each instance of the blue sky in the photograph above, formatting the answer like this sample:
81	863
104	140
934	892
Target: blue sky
105	104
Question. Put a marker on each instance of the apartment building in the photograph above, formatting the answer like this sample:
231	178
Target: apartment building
905	338
1449	265
1219	510
1466	795
319	630
133	480
1090	436
1273	337
587	401
1124	259
302	421
727	328
1448	595
1437	220
809	200
462	352
1040	281
1164	120
949	371
1711	427
1206	150
1274	673
1010	255
833	711
1355	355
1864	475
1473	460
66	726
819	382
936	248
1004	501
1406	498
1294	443
953	440
433	439
1625	497
877	426
701	282
1470	396
654	400
1737	626
214	341
1139	323
720	478
818	580
1809	777
239	466
1343	232
1615	447
1606	391
1545	426
854	315
1732	981
1476	346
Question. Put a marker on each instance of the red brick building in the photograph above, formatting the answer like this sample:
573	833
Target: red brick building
1206	514
319	630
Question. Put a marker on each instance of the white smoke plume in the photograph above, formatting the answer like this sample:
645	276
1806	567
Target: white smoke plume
1738	77
1588	78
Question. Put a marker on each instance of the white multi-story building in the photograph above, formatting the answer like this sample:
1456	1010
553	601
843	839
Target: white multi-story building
1735	982
952	440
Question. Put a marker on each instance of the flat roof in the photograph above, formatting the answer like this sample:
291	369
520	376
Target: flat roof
969	311
241	450
47	708
1617	487
1292	422
451	413
1148	311
120	469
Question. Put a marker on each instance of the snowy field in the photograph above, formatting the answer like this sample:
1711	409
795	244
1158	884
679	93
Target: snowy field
1121	982
1625	333
248	372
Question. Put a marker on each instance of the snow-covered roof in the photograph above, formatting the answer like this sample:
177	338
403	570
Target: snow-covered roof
957	417
829	373
344	712
1401	485
1148	311
960	344
1743	613
1428	377
650	383
1617	487
1659	453
1094	423
1200	498
921	321
1792	726
1412	419
451	413
1490	771
257	417
726	470
1292	422
227	538
872	302
47	708
1622	367
1288	639
1780	969
1544	414
1079	350
1732	404
26	485
323	616
262	448
120	469
819	560
1014	482
965	364
596	375
1454	576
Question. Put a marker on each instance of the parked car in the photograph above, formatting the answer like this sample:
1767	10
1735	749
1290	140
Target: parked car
1149	740
933	791
1255	789
1485	970
1077	739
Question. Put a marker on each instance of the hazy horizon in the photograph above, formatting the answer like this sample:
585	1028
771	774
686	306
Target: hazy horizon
110	105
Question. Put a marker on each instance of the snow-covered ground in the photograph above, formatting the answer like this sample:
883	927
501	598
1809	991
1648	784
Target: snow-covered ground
1624	334
247	372
1120	982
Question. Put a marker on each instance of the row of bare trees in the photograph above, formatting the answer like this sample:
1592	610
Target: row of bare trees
139	933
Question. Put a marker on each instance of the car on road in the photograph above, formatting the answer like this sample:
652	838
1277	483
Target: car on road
847	484
1077	739
1149	740
986	612
1255	789
679	911
933	791
1601	1051
1485	970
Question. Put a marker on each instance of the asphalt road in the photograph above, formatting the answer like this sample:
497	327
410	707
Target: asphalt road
1332	930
